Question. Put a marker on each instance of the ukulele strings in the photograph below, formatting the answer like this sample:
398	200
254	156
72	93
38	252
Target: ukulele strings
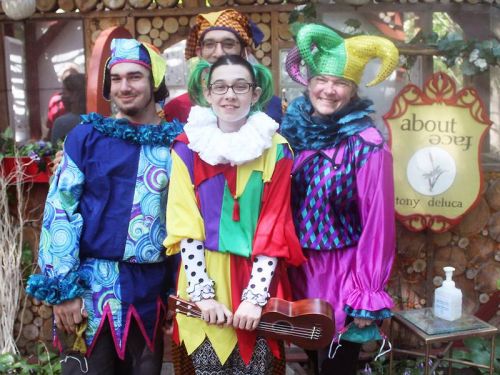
297	332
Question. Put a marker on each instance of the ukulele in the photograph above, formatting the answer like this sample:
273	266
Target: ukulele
307	323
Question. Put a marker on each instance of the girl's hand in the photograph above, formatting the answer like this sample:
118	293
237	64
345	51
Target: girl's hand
214	312
362	322
247	316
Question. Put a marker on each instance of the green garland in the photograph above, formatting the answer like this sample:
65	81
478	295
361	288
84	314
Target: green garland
473	56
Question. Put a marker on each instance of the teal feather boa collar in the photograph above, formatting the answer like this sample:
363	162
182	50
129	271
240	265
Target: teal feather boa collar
307	132
144	134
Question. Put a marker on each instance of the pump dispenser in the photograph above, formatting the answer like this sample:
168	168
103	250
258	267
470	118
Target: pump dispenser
448	298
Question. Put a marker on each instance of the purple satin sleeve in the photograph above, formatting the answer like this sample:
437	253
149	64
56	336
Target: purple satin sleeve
376	247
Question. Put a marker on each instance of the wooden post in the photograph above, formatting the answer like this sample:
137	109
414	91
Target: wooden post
3	84
429	269
275	52
427	70
32	86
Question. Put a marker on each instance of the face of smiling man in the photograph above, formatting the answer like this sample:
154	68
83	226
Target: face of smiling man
329	94
131	89
217	43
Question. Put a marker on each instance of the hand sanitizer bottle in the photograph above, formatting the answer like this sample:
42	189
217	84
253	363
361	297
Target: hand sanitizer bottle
448	298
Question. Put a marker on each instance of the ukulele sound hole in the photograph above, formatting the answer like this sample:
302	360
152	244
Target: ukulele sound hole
282	325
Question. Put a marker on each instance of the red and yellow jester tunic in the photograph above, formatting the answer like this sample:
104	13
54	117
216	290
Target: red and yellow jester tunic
238	212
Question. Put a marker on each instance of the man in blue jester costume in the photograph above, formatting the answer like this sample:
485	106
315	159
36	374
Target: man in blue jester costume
101	256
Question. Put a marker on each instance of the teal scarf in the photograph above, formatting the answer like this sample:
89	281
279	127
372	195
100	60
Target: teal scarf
144	134
307	132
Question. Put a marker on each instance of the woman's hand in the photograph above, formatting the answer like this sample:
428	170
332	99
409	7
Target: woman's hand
362	322
214	312
247	316
68	314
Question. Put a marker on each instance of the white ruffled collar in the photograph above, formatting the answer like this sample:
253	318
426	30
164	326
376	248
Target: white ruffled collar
236	148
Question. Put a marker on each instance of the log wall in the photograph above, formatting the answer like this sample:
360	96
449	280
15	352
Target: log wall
472	247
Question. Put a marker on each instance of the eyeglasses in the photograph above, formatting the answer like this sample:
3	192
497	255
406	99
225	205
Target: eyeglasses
322	81
238	88
227	45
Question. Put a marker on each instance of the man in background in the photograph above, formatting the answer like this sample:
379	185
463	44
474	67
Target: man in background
73	98
56	105
215	34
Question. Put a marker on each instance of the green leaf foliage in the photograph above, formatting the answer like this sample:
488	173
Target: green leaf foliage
478	350
44	362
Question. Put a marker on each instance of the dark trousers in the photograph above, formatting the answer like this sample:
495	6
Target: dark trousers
345	361
139	360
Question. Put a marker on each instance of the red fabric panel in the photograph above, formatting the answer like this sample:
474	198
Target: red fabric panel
178	108
275	234
241	269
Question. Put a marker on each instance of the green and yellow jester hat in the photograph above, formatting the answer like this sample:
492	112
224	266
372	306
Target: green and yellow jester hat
324	52
132	51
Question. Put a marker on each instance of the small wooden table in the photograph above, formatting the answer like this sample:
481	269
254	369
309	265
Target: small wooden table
431	329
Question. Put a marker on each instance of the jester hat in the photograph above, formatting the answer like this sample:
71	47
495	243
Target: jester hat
228	20
336	56
132	51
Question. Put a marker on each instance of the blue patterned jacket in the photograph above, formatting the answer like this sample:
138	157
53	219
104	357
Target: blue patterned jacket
104	223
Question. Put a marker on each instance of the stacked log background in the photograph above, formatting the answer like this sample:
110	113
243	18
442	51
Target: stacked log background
472	247
48	6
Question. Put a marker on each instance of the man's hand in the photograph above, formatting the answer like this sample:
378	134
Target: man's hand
168	325
56	161
362	322
247	316
214	312
68	314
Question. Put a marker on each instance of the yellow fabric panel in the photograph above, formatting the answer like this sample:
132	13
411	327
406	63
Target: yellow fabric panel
212	17
158	66
264	164
192	331
183	216
244	171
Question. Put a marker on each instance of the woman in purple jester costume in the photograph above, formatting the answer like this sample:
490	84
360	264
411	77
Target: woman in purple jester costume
342	185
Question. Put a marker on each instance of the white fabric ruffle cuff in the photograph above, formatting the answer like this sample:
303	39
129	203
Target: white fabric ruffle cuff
201	291
255	298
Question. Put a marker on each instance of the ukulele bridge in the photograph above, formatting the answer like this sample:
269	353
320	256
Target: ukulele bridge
313	332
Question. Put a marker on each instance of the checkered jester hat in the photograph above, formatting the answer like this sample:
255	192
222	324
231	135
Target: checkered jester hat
229	20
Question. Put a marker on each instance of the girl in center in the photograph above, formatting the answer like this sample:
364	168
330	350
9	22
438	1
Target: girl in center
229	215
